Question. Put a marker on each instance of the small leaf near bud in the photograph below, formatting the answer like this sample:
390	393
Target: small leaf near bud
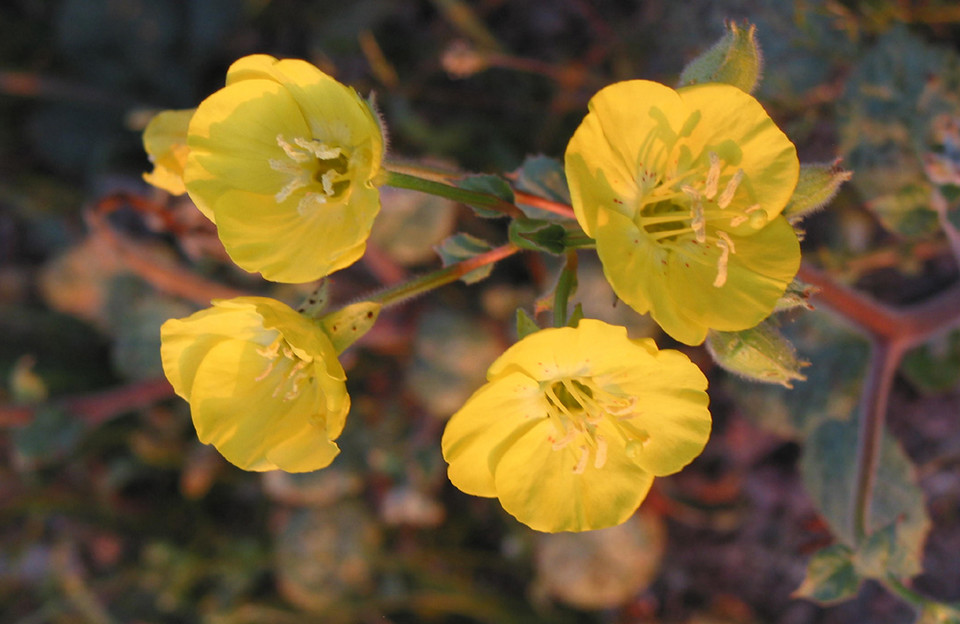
735	60
538	235
525	324
462	247
491	185
817	185
760	353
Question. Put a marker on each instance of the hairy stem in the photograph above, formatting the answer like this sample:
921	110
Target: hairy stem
441	189
419	285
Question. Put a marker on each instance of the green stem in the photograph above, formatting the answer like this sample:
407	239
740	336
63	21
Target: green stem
566	286
419	285
441	189
895	587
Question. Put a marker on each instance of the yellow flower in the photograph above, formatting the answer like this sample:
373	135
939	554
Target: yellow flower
263	383
574	424
165	140
283	160
683	191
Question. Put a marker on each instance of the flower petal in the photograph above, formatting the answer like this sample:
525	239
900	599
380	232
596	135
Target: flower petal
592	348
757	275
638	273
539	485
496	412
768	158
314	245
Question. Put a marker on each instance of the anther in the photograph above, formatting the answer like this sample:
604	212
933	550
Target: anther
727	195
565	440
713	176
601	457
581	466
726	248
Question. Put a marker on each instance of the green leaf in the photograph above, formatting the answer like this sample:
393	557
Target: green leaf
525	324
461	247
880	555
538	235
838	361
817	185
831	577
828	469
349	323
934	367
544	177
491	185
760	353
735	59
907	211
51	435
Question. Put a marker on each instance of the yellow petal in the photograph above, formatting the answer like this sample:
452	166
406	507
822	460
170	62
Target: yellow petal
493	414
165	141
539	485
767	157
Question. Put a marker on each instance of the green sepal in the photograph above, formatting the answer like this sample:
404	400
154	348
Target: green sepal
538	235
760	353
576	316
462	247
831	576
566	287
525	324
735	60
817	185
316	302
345	326
491	185
797	295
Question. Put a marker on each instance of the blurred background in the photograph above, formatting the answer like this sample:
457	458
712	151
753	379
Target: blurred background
111	511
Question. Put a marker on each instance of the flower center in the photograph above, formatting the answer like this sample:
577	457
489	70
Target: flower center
684	200
322	168
284	366
576	408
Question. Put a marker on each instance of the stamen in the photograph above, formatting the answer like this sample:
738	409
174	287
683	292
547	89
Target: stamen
293	153
727	196
657	236
726	248
327	181
295	386
318	149
267	371
565	440
308	203
757	221
713	176
698	223
582	462
601	458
